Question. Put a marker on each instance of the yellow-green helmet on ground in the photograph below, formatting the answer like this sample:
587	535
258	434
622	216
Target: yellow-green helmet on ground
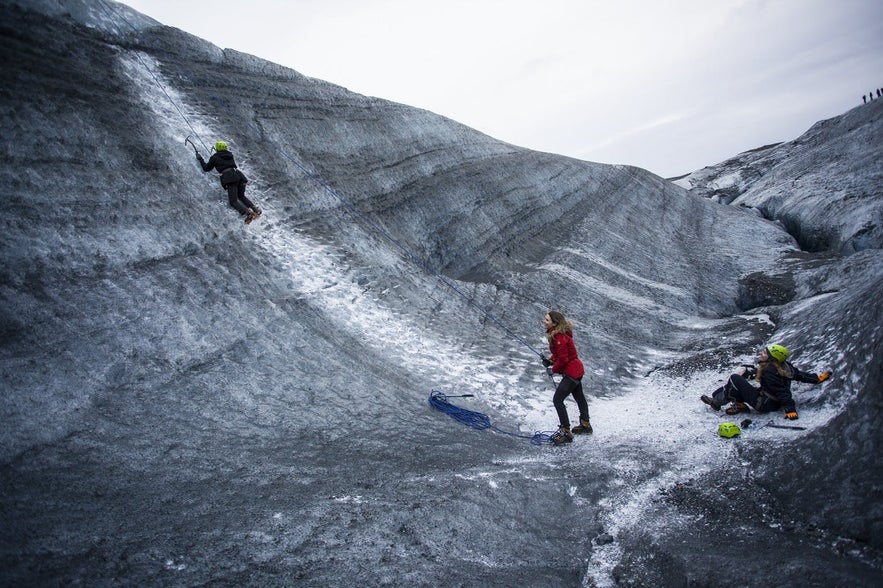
778	352
728	430
220	146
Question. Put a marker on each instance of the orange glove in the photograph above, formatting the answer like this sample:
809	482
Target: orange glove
791	416
824	376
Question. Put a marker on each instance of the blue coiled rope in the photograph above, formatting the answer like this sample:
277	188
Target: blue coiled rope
476	420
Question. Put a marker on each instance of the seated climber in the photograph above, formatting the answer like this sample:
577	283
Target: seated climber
774	375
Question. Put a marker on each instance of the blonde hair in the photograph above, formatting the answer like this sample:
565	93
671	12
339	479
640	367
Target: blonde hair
783	368
561	324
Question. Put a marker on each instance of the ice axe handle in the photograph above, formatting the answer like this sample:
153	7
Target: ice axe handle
192	144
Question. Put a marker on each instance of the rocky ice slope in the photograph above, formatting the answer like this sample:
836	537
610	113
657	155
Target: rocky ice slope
824	187
189	400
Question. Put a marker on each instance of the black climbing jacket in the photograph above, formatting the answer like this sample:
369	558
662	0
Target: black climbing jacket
225	164
775	388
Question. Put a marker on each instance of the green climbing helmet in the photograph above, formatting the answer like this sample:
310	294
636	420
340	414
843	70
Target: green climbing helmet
778	352
728	430
220	146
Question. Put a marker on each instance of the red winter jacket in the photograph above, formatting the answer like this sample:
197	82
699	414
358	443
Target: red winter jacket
564	358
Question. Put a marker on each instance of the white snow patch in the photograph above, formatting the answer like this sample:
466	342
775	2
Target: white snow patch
349	499
726	181
592	284
598	260
177	566
684	182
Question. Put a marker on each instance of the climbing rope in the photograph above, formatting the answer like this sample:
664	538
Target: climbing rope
476	420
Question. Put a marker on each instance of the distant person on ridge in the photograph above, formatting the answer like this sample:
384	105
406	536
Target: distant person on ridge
775	376
565	361
232	180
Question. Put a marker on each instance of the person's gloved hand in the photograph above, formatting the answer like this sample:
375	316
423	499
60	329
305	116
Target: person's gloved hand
791	416
749	372
549	370
824	376
546	361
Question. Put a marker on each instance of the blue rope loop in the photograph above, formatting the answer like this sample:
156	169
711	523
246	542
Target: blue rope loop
439	401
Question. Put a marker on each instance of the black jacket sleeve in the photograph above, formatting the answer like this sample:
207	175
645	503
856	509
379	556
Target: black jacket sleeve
805	376
206	166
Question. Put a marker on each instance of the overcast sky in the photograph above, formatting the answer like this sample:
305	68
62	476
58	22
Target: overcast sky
670	86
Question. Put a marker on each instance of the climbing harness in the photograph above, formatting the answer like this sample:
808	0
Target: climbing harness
476	420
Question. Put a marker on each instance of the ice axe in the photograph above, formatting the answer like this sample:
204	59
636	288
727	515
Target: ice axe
548	365
187	141
744	424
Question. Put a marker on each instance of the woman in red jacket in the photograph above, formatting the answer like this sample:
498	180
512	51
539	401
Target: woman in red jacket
564	360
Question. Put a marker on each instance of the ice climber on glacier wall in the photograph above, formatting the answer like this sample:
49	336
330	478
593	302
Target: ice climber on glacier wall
232	180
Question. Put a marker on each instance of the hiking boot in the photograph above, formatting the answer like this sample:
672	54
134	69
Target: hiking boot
563	435
710	402
257	211
583	427
737	407
250	216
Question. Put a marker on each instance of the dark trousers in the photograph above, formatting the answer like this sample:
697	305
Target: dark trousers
236	196
738	389
566	387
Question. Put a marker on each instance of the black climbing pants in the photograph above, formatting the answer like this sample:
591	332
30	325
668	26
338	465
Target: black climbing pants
566	387
738	389
236	196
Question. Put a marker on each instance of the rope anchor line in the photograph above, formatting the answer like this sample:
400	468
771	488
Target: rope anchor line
480	421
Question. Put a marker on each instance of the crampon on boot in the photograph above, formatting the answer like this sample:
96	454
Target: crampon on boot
250	216
737	407
563	435
583	427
